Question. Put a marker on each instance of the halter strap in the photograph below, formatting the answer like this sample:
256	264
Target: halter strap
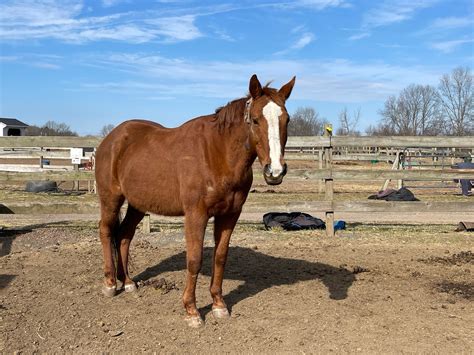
247	110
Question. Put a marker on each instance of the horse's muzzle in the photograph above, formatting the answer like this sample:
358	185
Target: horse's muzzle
274	180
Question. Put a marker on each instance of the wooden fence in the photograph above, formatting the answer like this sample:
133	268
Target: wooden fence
321	149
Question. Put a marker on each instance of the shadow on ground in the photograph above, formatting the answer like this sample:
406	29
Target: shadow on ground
260	271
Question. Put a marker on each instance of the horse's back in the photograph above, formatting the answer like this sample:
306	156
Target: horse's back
132	128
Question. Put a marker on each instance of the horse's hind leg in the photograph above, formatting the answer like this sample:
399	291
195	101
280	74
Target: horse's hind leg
108	227
125	236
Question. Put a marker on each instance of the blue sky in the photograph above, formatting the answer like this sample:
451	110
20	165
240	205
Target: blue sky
92	63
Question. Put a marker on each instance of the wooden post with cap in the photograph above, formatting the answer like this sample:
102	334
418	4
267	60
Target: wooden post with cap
329	182
146	224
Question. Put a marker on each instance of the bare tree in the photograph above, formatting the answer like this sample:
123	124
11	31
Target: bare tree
106	129
430	114
306	122
414	112
456	96
380	129
51	128
348	123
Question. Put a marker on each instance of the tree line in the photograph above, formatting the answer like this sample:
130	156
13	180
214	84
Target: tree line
50	128
418	110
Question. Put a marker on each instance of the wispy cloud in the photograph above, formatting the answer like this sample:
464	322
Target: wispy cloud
443	25
38	13
359	35
393	11
110	3
333	80
317	4
389	12
70	21
43	61
450	46
8	58
452	22
305	39
66	21
45	65
176	28
222	34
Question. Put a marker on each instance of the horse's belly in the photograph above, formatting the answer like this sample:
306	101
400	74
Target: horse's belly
162	205
156	195
229	203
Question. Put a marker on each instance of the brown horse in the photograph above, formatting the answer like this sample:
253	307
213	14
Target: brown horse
201	169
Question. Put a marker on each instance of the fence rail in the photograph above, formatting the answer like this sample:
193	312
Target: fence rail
293	142
346	175
49	142
67	175
322	147
389	141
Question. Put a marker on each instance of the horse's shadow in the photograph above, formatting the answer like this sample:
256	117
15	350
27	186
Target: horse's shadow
260	271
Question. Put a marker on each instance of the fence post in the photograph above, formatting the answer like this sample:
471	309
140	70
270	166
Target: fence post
329	192
76	182
146	226
329	196
320	164
41	162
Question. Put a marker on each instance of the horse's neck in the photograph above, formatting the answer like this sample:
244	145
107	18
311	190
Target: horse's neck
237	147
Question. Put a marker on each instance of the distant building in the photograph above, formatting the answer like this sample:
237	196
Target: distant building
12	127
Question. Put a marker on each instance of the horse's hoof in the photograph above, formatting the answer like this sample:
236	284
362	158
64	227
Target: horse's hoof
220	313
130	287
194	321
109	291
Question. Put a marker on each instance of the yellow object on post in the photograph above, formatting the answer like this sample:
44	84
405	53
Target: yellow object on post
327	130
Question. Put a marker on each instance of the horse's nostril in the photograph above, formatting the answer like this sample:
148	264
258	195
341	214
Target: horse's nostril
267	170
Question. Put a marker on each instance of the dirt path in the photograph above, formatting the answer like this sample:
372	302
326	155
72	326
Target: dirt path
370	290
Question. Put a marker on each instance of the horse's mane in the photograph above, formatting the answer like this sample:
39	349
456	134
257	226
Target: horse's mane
226	116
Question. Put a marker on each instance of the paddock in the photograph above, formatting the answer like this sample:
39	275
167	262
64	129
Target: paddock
398	278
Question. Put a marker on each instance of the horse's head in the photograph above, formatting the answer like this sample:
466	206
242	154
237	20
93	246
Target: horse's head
268	119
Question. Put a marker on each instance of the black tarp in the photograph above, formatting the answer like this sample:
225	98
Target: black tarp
394	195
292	221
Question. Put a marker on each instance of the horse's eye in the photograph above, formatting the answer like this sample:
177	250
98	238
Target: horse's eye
254	120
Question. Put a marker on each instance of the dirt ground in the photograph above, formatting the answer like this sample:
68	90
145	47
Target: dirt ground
371	289
395	286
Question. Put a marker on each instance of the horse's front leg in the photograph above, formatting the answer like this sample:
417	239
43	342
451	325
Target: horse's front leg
194	229
223	227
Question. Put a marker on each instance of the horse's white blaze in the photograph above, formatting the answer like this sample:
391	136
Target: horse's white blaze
272	113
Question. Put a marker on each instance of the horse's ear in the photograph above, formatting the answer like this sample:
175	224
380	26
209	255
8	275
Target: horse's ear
255	88
286	89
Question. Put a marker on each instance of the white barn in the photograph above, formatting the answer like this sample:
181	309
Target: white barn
12	127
